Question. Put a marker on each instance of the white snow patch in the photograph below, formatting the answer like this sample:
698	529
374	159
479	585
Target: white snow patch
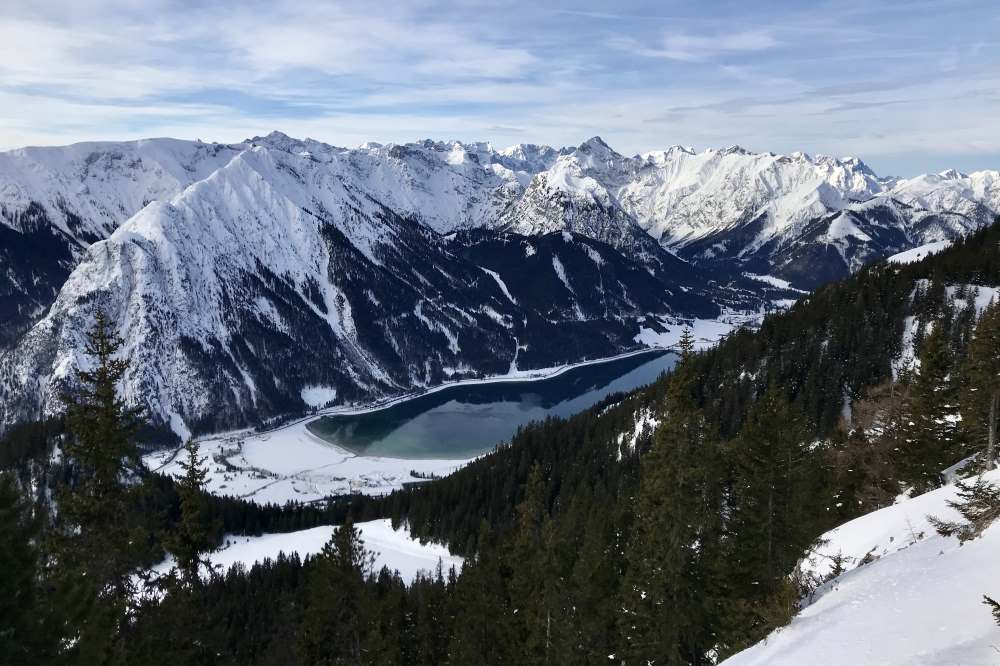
594	255
561	272
500	283
842	227
645	423
179	427
292	464
318	396
918	253
394	549
774	282
706	332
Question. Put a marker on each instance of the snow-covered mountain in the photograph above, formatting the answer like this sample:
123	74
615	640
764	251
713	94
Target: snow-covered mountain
276	278
245	274
731	208
54	202
805	219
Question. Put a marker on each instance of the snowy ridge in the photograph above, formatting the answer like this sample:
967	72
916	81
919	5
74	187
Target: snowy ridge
918	253
89	189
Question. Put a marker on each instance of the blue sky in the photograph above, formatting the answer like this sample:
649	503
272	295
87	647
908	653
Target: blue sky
908	85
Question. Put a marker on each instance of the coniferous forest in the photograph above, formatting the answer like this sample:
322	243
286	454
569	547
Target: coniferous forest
580	547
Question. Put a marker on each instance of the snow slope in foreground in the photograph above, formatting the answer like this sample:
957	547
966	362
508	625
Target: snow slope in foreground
920	602
392	549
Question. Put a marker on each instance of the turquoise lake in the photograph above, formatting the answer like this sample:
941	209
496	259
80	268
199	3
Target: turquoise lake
465	421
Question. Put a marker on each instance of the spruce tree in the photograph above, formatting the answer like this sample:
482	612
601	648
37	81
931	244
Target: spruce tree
95	544
338	612
686	343
191	538
666	601
482	613
929	437
536	588
981	382
979	504
994	607
772	499
595	578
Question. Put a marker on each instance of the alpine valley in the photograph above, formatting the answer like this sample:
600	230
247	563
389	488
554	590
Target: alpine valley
269	278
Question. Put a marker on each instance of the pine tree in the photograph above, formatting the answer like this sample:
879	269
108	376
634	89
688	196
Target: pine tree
535	587
482	613
930	439
665	616
979	504
773	496
981	379
594	580
191	537
686	343
338	610
994	606
95	544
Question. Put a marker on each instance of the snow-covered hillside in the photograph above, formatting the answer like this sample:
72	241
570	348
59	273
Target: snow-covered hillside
393	549
56	201
909	596
918	253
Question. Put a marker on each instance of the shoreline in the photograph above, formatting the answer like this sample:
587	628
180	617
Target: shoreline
290	462
539	374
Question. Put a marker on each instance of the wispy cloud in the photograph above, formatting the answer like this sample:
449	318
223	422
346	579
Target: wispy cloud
697	48
828	78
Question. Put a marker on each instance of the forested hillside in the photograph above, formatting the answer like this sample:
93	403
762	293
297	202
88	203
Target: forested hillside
662	526
768	440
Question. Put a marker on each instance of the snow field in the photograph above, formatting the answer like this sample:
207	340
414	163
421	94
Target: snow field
917	602
394	549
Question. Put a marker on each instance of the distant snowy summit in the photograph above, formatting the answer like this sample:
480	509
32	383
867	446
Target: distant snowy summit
730	203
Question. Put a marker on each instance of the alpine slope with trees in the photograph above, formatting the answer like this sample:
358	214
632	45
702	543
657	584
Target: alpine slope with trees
671	525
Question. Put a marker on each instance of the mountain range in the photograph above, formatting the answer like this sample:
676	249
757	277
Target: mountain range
276	275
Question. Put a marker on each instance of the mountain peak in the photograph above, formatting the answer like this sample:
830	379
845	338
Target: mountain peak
274	136
596	144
